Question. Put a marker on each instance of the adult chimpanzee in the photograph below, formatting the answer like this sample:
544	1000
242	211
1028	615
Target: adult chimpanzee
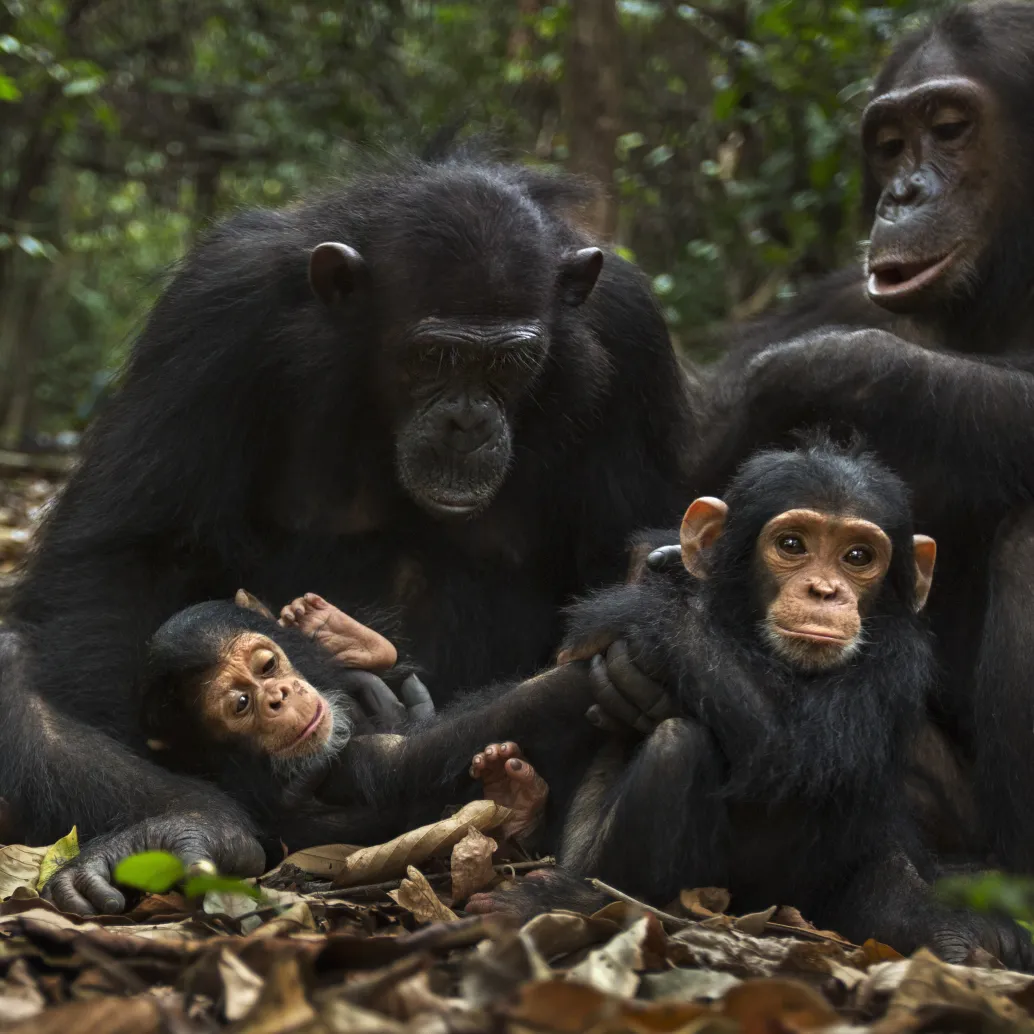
949	144
801	670
426	396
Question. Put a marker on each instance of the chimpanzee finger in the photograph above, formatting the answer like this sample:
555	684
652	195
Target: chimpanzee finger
648	697
664	558
84	890
612	702
377	699
417	698
601	720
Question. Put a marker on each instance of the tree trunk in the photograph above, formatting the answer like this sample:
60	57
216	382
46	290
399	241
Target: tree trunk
591	98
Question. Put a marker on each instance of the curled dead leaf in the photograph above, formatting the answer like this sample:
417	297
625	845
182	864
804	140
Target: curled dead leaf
417	896
471	864
761	1006
703	902
386	861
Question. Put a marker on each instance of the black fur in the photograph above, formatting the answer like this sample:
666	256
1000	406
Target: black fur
949	405
783	786
251	443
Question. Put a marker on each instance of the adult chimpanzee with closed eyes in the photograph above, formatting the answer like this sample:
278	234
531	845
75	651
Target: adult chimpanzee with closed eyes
801	669
949	403
427	396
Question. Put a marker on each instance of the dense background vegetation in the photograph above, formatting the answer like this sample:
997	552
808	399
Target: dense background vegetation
724	132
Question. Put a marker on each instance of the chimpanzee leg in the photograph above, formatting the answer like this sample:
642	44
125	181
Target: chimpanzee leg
1003	697
666	826
648	827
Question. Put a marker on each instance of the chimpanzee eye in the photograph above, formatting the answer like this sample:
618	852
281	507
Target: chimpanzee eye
792	544
889	144
270	666
950	130
859	556
242	703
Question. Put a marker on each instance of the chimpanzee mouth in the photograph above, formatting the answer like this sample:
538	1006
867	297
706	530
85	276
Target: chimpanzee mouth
891	278
821	636
314	724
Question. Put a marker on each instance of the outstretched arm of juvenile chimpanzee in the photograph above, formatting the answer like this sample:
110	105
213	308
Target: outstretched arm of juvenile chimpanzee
411	778
89	780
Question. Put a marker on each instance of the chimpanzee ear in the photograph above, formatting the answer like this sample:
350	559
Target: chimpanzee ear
579	271
925	550
335	271
246	601
701	525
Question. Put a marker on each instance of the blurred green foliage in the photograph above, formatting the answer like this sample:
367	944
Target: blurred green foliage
126	127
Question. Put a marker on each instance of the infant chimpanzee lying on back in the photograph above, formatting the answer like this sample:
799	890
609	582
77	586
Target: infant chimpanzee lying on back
800	666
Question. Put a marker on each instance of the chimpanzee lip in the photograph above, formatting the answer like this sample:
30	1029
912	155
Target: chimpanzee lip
814	635
314	724
895	278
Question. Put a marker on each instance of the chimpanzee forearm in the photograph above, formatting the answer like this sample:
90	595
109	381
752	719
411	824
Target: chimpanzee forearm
429	768
960	425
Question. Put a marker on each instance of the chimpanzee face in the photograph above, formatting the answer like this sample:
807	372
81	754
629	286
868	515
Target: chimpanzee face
464	380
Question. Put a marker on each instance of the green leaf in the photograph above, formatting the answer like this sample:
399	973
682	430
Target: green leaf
8	89
153	871
198	886
82	87
57	854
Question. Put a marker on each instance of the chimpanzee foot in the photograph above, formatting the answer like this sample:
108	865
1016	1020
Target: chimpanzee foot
544	890
510	781
349	642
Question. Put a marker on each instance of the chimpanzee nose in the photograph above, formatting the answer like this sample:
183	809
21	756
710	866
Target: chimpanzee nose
275	698
822	590
468	427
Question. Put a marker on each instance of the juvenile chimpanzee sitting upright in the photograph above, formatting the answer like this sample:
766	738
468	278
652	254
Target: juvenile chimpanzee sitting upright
801	667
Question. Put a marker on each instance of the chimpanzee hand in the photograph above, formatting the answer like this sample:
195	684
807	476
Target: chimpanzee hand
1009	942
86	884
386	709
626	699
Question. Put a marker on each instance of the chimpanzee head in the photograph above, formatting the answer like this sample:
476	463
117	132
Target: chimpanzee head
809	552
947	139
469	284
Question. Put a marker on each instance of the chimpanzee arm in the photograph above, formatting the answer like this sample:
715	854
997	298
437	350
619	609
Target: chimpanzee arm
959	429
56	773
415	776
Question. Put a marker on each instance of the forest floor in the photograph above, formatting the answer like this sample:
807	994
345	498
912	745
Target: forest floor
362	940
373	941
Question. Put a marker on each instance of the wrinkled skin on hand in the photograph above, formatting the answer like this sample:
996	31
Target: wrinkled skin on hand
86	884
627	700
1005	940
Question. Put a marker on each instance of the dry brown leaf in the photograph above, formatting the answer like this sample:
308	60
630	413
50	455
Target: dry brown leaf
704	902
761	1006
687	985
953	997
20	997
241	985
326	861
386	861
754	923
297	919
344	1017
471	864
19	867
877	952
560	933
282	1005
571	1008
417	896
138	1015
615	967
